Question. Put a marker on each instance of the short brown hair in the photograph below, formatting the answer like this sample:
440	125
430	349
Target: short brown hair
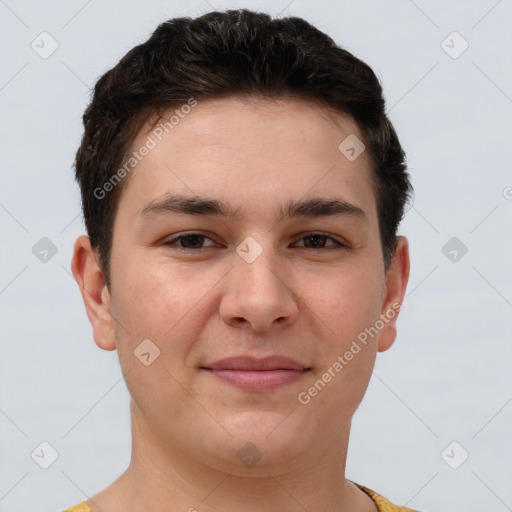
232	53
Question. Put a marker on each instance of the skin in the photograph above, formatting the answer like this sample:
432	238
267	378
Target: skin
298	300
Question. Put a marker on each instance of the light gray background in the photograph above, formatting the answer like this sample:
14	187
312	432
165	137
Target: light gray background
448	376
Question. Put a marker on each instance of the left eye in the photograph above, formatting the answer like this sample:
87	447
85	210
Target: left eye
318	240
311	241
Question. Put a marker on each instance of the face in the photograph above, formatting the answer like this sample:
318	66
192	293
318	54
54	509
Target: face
246	234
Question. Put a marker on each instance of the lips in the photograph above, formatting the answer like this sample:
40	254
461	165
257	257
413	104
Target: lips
257	375
255	364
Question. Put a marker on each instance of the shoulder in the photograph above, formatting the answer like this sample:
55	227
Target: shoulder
383	505
81	507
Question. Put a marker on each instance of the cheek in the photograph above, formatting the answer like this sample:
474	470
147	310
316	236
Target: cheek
152	297
152	302
346	307
164	302
346	302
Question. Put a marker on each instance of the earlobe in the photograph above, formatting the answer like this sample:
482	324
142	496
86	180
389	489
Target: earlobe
95	293
394	292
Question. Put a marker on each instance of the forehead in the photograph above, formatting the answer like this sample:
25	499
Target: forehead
249	152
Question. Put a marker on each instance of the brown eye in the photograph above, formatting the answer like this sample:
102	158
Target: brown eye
318	241
189	241
196	241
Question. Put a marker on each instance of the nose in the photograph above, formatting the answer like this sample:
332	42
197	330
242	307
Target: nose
258	294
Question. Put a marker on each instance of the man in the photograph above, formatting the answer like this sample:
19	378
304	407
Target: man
242	188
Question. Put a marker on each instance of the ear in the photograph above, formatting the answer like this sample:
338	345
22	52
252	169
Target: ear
95	293
393	293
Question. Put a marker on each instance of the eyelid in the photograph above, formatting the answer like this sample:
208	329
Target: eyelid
337	243
184	234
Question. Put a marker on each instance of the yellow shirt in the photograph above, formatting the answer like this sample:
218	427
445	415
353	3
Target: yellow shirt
383	505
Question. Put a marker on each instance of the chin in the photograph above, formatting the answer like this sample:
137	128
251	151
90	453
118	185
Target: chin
262	440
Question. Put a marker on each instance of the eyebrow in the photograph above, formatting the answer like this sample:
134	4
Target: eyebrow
309	208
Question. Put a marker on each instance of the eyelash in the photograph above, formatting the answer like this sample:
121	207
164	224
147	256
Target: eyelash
336	246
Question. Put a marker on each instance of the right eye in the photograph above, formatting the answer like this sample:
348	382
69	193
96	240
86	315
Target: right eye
189	241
